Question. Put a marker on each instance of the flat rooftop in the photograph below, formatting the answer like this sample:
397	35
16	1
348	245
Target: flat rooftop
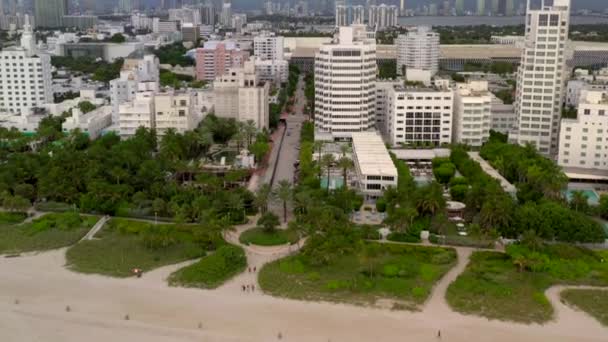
418	154
371	154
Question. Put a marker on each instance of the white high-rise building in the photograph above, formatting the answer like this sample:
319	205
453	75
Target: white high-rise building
341	16
345	78
25	79
582	142
240	94
415	115
383	16
541	78
358	15
268	46
418	49
226	14
472	113
276	71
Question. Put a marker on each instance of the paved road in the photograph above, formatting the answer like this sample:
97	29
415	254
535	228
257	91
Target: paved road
291	143
290	149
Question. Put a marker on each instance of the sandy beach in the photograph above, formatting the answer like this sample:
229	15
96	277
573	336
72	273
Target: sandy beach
98	305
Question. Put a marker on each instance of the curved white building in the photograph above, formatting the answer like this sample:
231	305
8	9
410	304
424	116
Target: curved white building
418	49
345	78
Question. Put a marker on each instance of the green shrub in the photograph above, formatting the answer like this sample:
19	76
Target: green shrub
381	205
213	270
403	237
12	218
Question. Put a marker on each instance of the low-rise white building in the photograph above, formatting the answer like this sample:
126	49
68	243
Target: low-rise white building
240	94
416	115
91	123
583	142
472	113
373	164
137	113
503	116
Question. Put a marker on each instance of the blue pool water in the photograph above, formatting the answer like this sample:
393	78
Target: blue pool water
592	197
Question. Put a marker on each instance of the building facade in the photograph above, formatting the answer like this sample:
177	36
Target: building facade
345	77
175	110
472	113
584	141
418	49
268	46
541	78
241	95
49	13
215	58
418	116
382	16
25	76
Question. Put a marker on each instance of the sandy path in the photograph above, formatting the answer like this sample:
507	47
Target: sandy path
437	304
567	313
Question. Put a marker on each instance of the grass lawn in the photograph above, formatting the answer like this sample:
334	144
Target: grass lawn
494	286
213	270
402	274
11	218
593	302
125	244
257	236
48	232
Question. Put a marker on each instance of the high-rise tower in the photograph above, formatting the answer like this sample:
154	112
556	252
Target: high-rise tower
541	77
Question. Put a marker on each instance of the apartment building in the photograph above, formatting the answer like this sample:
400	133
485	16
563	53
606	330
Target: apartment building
418	49
583	142
345	83
472	113
382	16
175	110
241	95
136	113
134	71
541	78
503	116
216	57
418	115
25	76
268	46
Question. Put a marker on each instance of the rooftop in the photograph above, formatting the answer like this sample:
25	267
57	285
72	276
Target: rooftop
371	154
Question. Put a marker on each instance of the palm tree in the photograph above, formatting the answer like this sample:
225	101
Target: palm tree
250	130
344	149
346	165
284	193
262	197
235	205
327	162
578	202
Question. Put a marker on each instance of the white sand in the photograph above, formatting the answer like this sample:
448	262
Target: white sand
159	313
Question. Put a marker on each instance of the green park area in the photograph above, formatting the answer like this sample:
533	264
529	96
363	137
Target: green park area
261	237
402	274
48	232
126	244
593	302
510	286
213	270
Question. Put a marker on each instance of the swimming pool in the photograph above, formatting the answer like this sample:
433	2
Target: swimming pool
592	197
334	182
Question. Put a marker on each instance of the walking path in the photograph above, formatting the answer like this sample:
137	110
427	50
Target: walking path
96	228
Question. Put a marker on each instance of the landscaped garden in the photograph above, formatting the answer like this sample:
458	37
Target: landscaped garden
267	234
404	275
123	245
50	231
593	302
511	286
213	270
